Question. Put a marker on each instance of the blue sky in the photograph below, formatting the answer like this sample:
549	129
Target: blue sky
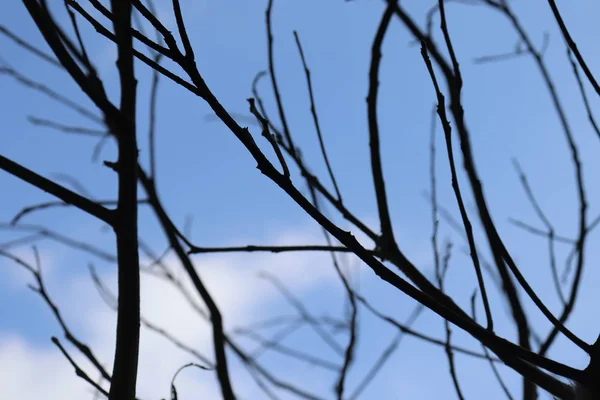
204	172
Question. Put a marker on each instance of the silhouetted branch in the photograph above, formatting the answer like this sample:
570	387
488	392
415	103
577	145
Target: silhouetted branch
121	123
272	249
448	344
279	348
303	312
582	198
173	389
111	301
549	227
41	88
286	130
487	355
65	128
573	46
40	289
270	137
171	232
52	204
78	371
386	354
441	110
27	46
406	329
539	232
584	97
313	111
387	240
66	195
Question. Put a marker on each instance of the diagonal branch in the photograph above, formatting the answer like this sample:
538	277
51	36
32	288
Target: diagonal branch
66	195
573	46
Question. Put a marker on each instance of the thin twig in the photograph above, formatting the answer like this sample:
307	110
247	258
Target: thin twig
487	355
385	355
584	97
549	227
296	354
78	371
448	344
313	111
303	312
270	137
573	46
441	110
41	88
27	46
66	128
278	100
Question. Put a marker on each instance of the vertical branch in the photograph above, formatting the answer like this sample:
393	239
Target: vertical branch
387	240
349	352
77	34
187	46
128	318
152	128
313	111
440	270
388	351
448	345
549	227
434	203
487	354
286	129
441	110
153	98
499	251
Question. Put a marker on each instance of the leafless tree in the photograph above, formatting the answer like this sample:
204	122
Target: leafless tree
172	59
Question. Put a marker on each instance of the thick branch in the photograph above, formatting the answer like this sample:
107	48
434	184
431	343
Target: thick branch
66	195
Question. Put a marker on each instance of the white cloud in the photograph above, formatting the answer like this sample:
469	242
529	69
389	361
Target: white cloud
30	372
33	372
